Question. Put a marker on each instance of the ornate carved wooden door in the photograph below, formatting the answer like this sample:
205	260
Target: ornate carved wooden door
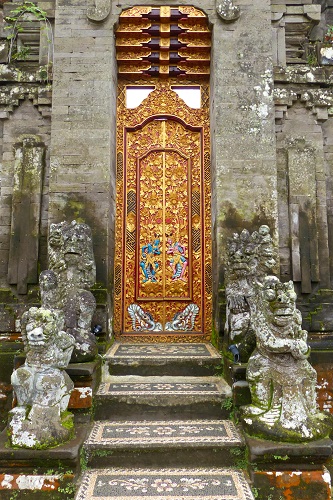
163	272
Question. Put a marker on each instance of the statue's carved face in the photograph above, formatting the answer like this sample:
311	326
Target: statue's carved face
76	239
242	258
55	237
280	300
39	328
35	335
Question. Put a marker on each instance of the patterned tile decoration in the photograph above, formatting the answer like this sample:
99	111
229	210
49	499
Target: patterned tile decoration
157	433
164	484
154	389
174	351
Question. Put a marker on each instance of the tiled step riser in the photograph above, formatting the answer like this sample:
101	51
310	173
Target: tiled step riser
185	457
113	409
186	368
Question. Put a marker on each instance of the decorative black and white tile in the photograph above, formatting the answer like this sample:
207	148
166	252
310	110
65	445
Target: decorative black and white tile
164	484
157	433
159	388
162	351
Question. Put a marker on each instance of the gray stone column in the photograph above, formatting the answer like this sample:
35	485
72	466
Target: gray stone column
83	125
242	128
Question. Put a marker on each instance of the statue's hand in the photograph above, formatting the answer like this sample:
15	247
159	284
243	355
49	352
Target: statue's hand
237	303
300	349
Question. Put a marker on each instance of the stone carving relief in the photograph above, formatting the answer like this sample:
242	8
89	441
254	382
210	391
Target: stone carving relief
281	380
183	320
65	286
100	12
41	385
142	320
26	212
249	259
227	10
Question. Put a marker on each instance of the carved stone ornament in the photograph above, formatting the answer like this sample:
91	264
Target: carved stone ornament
183	320
227	10
65	286
250	256
100	12
142	320
281	380
41	385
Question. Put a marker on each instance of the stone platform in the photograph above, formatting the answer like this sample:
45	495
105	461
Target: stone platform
156	484
163	359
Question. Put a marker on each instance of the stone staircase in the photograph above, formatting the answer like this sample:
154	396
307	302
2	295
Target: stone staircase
161	428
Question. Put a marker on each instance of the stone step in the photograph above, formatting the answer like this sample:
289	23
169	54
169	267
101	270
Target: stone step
156	484
180	443
144	398
163	359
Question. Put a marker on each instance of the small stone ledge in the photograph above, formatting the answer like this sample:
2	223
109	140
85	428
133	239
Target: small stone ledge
14	460
303	74
292	483
83	369
306	455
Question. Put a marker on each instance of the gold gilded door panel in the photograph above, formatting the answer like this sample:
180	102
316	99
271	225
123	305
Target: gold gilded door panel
163	222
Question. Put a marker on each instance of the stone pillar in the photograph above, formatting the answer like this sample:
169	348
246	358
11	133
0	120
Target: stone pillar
83	125
242	128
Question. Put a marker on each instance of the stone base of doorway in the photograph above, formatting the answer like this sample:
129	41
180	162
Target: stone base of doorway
156	484
293	483
287	470
49	486
163	398
25	461
163	443
195	359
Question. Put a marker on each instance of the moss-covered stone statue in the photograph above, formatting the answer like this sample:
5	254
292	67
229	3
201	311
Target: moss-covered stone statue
281	380
41	385
250	257
65	286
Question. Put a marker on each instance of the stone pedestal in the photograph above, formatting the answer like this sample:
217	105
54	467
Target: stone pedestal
285	470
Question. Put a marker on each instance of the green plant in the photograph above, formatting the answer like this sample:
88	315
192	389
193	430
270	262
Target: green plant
228	404
328	37
255	492
27	12
83	460
279	457
312	60
241	461
69	489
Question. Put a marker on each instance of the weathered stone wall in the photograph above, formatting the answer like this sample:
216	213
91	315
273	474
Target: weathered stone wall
24	120
83	126
302	199
244	194
242	128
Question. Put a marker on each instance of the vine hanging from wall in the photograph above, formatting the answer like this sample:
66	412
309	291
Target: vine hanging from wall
28	12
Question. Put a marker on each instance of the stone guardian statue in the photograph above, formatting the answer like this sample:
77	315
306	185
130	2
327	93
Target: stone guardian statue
281	380
41	385
65	286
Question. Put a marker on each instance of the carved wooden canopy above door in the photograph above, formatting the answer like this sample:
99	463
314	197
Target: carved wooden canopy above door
163	262
158	41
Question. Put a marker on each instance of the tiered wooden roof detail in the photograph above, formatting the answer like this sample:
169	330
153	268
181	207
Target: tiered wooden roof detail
169	41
